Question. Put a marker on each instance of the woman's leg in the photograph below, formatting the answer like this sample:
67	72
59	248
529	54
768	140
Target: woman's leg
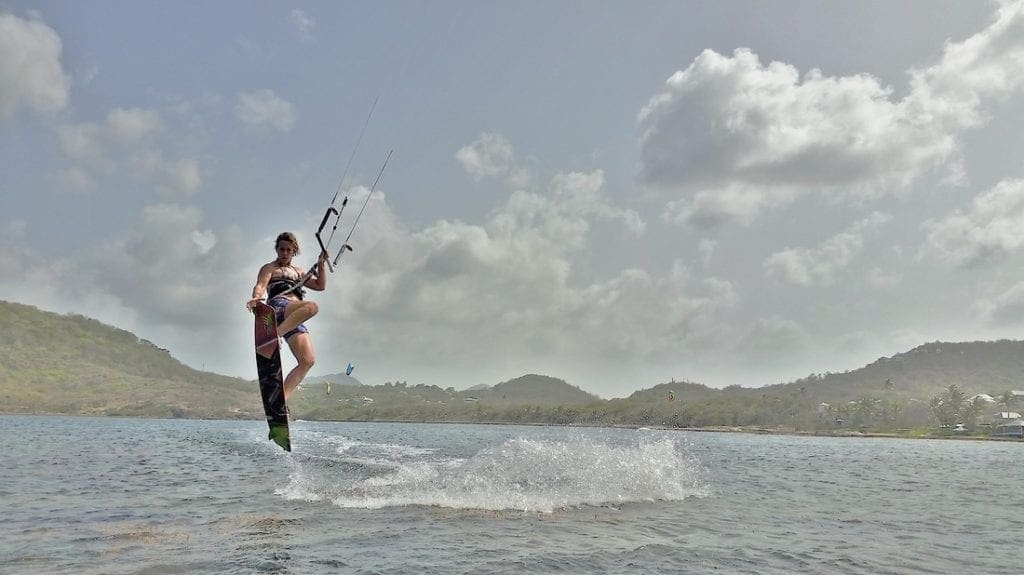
295	313
302	348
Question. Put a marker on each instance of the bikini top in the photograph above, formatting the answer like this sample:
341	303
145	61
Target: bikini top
281	284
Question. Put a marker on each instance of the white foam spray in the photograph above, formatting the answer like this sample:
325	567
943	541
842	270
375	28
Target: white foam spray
532	475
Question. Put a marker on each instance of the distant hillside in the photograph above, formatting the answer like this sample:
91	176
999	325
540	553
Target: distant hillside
681	390
889	393
991	367
526	399
51	363
334	378
536	390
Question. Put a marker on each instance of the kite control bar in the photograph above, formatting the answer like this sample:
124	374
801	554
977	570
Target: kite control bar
336	212
311	273
323	224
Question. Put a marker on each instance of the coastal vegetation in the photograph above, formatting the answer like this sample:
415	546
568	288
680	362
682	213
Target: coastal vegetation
70	364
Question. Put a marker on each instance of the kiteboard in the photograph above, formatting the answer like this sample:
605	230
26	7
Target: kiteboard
268	366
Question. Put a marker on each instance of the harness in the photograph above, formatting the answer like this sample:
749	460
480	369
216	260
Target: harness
278	286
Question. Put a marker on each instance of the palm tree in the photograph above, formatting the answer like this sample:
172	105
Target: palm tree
942	411
1007	399
864	411
970	412
952	407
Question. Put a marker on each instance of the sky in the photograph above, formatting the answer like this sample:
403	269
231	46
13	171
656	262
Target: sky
615	193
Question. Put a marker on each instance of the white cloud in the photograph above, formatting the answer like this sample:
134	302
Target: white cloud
31	74
131	126
265	108
508	288
990	230
172	178
735	119
490	156
137	282
82	143
143	269
739	203
125	143
734	137
821	264
988	65
1006	308
303	22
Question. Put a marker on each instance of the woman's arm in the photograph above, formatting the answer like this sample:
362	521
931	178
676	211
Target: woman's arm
260	289
319	282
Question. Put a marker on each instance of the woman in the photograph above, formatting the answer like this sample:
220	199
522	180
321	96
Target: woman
277	280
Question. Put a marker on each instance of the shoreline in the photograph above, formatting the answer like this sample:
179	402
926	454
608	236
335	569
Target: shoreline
703	429
700	429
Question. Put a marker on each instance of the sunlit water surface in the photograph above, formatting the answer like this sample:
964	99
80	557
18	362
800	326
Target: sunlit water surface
87	495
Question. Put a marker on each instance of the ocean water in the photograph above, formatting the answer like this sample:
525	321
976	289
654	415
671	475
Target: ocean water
105	495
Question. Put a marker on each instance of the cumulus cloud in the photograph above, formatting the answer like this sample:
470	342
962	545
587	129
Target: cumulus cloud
735	203
734	118
988	65
733	136
265	108
492	156
126	142
143	269
172	178
31	74
821	264
136	282
988	231
508	287
303	22
1006	308
131	126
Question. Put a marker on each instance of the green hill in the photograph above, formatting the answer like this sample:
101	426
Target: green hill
991	367
51	363
889	393
526	399
535	389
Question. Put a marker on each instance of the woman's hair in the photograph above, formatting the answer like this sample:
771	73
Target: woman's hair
287	237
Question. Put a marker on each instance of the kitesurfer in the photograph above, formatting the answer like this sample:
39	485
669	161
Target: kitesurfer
280	280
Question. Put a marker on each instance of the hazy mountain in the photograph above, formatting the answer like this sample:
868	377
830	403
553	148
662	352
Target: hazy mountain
334	378
53	363
537	389
991	367
679	390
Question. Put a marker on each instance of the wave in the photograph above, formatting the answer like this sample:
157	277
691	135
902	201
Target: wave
530	475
